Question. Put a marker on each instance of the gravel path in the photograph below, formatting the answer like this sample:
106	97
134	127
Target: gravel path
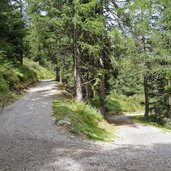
30	141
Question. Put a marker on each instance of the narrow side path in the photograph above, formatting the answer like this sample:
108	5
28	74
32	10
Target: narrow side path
30	141
137	133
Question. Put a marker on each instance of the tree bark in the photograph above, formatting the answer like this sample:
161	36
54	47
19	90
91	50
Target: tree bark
146	95
61	75
22	46
102	79
57	74
77	69
102	89
170	111
169	84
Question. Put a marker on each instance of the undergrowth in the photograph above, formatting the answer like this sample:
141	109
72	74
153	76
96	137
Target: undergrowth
42	73
117	103
15	77
151	121
84	119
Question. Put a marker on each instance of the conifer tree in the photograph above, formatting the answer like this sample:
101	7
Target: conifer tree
11	30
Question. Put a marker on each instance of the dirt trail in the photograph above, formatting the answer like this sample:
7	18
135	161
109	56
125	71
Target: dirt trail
29	140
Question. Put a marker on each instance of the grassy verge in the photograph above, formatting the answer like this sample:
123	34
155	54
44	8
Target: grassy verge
42	73
141	119
84	119
14	78
118	104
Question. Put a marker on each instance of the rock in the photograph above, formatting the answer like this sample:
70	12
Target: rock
65	121
119	119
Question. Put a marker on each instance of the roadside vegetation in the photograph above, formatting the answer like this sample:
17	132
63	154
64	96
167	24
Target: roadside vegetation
166	126
83	119
41	72
119	103
14	78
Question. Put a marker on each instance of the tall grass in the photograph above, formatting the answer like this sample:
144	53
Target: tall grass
15	77
85	120
42	73
118	103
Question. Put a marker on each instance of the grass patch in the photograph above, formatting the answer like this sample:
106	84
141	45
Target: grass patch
15	77
84	119
42	73
141	119
117	104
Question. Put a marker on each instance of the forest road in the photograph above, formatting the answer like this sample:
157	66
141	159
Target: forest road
30	141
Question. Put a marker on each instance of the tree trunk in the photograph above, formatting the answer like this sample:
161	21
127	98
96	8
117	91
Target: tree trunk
170	111
146	95
77	70
87	92
102	89
57	74
22	46
169	84
78	83
61	75
102	79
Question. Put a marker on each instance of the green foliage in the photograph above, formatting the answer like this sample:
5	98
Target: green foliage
118	103
159	97
42	73
129	80
147	44
12	30
85	120
152	121
15	77
64	30
14	74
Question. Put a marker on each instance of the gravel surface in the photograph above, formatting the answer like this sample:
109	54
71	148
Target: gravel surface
30	141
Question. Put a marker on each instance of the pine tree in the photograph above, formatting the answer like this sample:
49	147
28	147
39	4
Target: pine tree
11	30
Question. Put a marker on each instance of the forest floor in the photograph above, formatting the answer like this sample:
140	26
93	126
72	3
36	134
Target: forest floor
29	140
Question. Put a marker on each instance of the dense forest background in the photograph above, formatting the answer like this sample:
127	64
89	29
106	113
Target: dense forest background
112	54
